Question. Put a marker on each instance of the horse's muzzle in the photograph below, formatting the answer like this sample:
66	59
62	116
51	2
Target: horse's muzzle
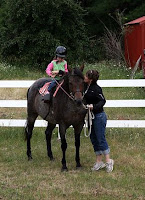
78	98
79	102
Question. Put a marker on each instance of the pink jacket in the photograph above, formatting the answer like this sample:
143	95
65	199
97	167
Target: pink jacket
49	68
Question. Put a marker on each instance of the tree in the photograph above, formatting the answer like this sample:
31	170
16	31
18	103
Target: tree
100	17
100	10
31	30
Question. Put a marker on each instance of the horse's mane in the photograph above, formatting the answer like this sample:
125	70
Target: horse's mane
74	72
78	72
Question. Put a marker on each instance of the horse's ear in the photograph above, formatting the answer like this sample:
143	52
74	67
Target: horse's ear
69	68
82	67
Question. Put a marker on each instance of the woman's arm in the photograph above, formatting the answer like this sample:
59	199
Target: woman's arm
100	100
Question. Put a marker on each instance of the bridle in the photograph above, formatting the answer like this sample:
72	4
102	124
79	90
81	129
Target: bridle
90	113
71	95
59	85
77	90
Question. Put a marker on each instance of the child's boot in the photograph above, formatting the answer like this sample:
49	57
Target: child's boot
46	98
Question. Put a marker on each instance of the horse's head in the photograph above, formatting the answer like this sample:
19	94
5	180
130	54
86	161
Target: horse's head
76	84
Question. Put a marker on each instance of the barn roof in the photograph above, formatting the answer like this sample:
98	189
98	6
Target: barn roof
140	20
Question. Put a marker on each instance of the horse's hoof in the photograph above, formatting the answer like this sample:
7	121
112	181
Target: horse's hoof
30	158
78	166
64	169
52	159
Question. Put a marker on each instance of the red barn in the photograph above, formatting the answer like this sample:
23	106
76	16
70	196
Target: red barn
134	40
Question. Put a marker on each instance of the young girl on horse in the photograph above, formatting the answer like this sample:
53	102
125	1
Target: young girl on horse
56	69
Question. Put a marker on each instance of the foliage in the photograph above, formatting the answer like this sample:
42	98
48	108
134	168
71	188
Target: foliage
113	41
32	29
100	11
100	20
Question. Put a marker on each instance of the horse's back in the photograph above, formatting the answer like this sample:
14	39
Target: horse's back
34	88
33	91
39	83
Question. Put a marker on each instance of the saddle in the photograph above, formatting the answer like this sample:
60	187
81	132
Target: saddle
44	90
46	95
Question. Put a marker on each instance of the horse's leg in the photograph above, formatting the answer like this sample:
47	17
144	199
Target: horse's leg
48	134
77	130
28	131
62	130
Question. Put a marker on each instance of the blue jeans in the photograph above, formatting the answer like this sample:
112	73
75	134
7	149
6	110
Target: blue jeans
97	136
52	85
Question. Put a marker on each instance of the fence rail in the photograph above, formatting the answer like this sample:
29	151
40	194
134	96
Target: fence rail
43	123
109	103
102	83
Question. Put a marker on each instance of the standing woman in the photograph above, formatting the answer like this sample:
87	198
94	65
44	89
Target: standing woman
96	100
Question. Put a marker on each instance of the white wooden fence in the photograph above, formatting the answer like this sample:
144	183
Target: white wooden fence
102	83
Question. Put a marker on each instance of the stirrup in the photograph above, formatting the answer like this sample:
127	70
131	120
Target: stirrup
46	98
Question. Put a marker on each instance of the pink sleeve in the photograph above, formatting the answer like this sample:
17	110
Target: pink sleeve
49	69
65	66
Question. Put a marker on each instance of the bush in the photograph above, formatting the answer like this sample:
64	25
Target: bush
31	30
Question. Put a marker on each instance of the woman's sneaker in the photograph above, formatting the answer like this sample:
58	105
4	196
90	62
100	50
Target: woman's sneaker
109	166
98	165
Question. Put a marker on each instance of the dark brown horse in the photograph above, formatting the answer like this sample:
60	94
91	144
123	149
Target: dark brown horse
65	109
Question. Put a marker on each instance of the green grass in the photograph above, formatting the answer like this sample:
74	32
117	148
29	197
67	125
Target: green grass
107	70
42	179
9	72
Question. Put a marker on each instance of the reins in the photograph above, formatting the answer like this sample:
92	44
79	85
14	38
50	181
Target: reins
89	118
88	122
90	115
59	85
69	95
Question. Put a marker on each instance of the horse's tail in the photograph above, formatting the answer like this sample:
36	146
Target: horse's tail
28	92
25	131
26	127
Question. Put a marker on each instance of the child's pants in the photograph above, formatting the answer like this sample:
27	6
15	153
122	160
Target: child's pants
52	85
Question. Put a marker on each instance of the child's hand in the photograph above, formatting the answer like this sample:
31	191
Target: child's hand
61	73
55	72
53	75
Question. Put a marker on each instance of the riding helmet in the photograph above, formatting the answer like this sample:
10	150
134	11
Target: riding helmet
61	51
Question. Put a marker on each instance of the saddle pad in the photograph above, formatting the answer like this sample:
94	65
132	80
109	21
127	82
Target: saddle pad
44	90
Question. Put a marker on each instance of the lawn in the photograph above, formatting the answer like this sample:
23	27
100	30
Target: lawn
42	179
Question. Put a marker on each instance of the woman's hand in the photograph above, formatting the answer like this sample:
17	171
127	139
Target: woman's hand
90	106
